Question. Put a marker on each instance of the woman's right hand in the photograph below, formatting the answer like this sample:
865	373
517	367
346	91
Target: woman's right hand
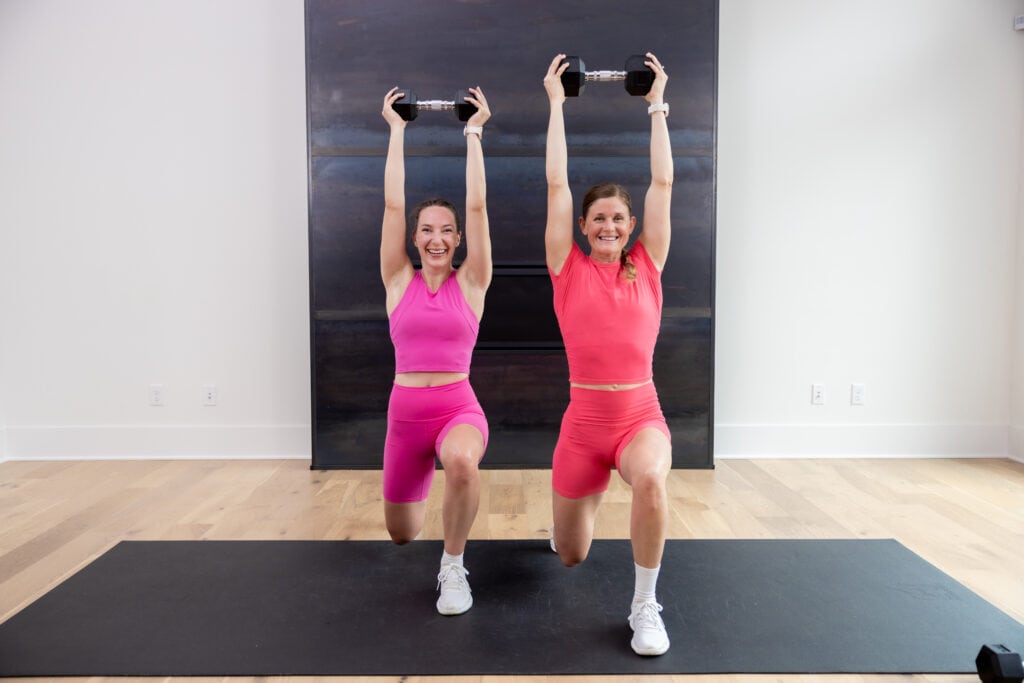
553	79
388	112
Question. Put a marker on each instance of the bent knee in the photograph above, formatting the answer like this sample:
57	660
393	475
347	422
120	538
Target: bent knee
460	467
649	484
401	537
570	554
571	559
402	533
403	528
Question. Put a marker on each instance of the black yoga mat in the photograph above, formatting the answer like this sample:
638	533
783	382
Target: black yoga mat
221	608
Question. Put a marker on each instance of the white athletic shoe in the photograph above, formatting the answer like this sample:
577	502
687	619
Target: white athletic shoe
456	596
649	636
551	540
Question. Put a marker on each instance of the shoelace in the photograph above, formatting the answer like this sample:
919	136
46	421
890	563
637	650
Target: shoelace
452	574
646	615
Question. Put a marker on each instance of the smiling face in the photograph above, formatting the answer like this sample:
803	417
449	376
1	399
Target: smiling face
607	225
436	236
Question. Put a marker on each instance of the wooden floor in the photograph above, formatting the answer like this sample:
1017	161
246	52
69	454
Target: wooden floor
964	516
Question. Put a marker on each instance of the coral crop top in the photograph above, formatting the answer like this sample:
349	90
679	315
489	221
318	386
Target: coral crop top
609	324
433	331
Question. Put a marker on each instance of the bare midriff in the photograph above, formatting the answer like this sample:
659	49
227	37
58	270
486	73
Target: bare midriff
609	387
428	379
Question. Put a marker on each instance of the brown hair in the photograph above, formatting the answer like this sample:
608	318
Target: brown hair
414	217
604	191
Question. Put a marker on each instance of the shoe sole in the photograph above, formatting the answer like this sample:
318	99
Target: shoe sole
454	612
649	653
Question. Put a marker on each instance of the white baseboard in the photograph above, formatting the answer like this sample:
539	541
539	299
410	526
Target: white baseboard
862	441
1017	443
115	442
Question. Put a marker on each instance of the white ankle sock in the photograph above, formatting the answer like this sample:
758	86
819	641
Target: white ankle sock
451	559
646	583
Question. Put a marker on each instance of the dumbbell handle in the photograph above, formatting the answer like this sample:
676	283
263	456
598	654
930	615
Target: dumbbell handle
604	75
436	105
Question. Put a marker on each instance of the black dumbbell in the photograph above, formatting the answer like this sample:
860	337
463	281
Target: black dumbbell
999	664
638	76
408	106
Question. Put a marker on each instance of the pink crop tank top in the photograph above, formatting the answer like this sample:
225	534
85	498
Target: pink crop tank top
433	331
609	324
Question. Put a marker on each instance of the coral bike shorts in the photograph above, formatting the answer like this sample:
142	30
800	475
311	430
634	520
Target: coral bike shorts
596	428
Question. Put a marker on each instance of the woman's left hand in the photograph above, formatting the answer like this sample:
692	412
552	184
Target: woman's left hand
477	99
657	92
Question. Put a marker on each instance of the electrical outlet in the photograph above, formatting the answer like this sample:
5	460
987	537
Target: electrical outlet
857	394
818	394
156	394
209	394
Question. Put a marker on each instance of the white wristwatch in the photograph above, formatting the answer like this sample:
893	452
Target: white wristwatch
474	130
658	107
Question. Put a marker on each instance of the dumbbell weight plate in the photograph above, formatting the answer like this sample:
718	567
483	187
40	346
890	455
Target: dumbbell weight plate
406	105
639	76
463	109
574	77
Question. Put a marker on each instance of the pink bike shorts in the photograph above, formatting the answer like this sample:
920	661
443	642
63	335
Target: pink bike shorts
419	418
596	428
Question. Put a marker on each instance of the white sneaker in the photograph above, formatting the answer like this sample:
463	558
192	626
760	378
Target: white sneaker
551	540
456	596
649	636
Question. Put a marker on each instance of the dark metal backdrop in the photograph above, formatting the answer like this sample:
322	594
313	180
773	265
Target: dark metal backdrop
355	51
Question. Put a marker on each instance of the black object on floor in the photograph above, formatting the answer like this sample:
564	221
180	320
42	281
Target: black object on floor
221	608
999	664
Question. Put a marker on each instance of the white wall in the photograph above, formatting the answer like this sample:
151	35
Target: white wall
868	209
153	227
1017	413
153	213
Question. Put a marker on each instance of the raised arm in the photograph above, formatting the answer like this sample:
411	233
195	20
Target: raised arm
558	235
395	267
475	271
657	228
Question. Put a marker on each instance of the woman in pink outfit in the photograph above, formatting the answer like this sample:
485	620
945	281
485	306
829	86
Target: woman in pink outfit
434	314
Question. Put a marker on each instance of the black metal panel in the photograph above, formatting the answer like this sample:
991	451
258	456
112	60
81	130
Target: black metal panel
356	50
